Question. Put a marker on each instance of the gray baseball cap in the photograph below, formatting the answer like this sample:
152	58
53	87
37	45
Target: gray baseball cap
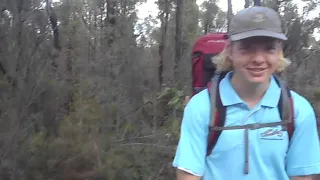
256	21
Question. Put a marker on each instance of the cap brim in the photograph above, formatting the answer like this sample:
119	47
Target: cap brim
254	33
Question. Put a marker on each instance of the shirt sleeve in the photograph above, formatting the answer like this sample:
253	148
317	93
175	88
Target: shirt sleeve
303	156
191	151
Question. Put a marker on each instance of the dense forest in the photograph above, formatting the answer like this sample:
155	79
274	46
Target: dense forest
90	92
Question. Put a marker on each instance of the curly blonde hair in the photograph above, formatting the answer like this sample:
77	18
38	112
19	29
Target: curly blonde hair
223	63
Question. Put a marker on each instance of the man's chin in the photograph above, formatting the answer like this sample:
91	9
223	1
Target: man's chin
258	80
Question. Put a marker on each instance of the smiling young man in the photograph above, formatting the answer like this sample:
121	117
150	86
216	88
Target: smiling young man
251	95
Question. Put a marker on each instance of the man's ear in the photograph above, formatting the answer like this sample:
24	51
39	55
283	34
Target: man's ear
282	44
229	50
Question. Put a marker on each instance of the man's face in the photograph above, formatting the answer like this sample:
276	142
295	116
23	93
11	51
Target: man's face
255	59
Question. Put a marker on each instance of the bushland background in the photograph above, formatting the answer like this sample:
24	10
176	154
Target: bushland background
90	92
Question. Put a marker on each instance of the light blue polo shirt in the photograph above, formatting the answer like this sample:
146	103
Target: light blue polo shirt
271	156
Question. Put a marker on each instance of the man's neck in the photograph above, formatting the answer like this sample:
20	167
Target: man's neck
248	92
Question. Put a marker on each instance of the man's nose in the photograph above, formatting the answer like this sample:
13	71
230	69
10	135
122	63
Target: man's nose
258	56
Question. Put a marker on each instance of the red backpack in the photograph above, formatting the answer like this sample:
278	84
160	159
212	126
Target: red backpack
204	76
204	49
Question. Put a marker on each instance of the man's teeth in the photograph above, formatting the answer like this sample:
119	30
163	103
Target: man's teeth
256	70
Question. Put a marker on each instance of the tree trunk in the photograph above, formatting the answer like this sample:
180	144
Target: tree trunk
69	44
178	39
246	3
257	2
164	18
229	12
111	20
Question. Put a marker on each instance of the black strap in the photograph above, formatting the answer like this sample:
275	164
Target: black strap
285	107
218	111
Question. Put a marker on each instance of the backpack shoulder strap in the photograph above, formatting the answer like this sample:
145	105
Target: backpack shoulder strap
217	112
286	107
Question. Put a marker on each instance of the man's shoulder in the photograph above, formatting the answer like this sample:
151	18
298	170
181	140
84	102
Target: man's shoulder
300	102
199	98
302	106
199	103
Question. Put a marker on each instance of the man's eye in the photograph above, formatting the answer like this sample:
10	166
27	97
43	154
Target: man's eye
244	48
271	47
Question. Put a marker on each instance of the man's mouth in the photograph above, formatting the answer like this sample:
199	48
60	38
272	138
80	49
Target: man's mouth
256	69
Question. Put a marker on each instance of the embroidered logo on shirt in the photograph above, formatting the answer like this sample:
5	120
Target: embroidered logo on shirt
272	134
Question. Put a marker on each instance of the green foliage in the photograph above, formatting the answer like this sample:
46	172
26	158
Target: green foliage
87	148
173	126
173	98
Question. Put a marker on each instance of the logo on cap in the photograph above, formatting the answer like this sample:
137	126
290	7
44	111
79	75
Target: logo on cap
258	18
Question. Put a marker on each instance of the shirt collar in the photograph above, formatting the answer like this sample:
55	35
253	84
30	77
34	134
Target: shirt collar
230	97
